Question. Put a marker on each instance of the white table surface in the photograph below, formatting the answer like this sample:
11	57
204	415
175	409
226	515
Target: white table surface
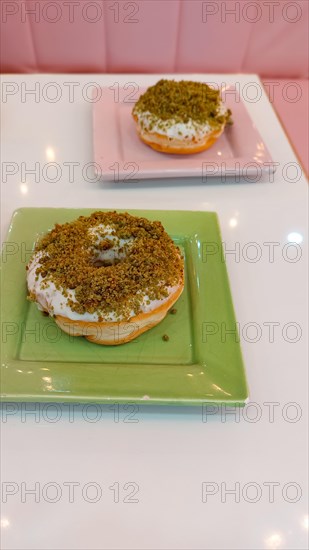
174	457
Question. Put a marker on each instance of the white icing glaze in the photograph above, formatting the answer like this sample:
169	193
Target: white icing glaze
222	109
51	299
175	130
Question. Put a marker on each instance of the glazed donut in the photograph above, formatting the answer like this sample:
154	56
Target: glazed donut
108	277
180	117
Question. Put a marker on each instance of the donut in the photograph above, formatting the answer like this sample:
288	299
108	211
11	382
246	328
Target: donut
180	117
109	276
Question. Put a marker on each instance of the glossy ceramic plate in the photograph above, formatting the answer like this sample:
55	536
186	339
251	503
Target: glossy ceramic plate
120	156
199	363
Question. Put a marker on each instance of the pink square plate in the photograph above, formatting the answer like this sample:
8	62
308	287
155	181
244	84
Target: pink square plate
120	156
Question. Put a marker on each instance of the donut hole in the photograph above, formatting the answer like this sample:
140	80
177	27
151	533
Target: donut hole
99	262
108	258
108	249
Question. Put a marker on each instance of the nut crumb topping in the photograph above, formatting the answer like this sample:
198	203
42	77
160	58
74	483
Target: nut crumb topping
183	101
152	263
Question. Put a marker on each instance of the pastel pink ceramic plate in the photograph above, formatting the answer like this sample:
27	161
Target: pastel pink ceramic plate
120	156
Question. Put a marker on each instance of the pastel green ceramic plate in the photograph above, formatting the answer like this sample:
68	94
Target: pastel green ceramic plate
200	363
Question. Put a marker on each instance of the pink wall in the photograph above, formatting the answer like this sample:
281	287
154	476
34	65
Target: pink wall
268	38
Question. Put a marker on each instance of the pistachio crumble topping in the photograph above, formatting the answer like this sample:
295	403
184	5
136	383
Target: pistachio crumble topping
148	263
183	101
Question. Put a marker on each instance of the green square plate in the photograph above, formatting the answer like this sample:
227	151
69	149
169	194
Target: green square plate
200	363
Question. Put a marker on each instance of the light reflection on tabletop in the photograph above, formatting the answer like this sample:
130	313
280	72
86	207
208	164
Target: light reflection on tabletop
23	188
274	542
4	523
305	522
295	237
50	154
233	222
